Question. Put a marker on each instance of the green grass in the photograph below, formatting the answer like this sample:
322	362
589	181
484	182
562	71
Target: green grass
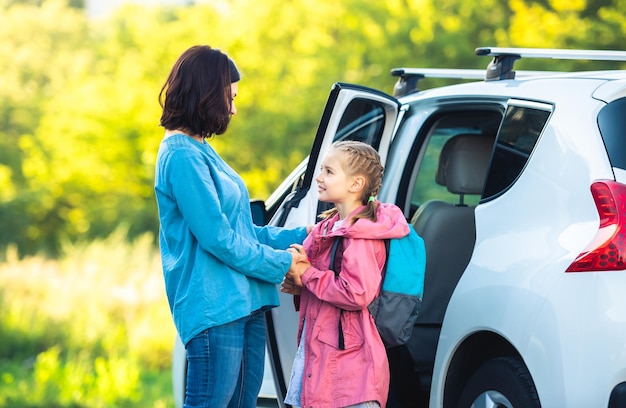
90	329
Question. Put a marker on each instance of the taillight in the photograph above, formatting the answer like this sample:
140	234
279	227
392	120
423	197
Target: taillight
607	250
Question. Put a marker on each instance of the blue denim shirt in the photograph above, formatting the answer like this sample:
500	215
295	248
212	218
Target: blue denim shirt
218	266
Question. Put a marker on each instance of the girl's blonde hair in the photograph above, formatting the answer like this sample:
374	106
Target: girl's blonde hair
361	159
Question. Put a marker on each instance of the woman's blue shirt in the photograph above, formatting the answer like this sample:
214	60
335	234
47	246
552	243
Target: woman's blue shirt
218	266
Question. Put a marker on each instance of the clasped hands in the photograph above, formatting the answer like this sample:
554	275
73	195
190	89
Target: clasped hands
292	282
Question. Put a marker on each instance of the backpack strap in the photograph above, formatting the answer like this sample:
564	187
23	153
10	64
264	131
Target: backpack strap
333	255
387	246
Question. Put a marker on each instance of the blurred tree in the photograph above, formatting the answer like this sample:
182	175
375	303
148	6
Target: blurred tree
42	46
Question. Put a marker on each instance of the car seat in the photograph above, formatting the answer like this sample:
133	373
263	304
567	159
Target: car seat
449	233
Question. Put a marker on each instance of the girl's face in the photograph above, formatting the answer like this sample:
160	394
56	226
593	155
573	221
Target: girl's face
333	184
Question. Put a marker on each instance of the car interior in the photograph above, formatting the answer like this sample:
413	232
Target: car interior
448	230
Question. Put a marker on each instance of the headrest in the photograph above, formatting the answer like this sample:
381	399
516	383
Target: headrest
463	163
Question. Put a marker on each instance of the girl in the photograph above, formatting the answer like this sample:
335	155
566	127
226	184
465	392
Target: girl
220	269
352	372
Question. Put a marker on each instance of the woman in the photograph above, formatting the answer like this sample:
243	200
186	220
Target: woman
220	269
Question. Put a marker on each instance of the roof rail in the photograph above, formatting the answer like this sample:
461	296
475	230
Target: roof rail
409	77
501	67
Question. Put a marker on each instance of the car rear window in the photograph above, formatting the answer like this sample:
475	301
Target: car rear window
612	125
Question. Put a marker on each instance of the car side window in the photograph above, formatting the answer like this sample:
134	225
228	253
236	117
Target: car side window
518	135
426	187
445	126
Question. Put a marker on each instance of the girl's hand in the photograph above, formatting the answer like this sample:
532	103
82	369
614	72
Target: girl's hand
289	286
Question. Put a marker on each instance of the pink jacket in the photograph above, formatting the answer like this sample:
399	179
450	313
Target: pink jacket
339	378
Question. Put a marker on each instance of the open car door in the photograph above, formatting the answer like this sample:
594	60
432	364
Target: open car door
351	113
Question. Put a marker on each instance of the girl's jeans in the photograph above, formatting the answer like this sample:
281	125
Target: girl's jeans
225	364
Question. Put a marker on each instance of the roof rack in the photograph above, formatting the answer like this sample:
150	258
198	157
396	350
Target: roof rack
501	67
409	77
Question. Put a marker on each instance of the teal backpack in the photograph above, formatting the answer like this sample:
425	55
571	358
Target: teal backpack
396	309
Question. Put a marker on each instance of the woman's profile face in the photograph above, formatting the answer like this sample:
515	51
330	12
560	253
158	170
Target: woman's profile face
234	88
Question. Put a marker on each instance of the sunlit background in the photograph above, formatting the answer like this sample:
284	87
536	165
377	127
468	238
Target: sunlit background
83	317
103	8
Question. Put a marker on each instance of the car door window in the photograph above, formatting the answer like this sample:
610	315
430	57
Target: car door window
444	126
363	120
426	188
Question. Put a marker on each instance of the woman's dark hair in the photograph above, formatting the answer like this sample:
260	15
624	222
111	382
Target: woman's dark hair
196	96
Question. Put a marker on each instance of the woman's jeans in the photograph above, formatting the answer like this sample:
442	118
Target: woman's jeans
225	364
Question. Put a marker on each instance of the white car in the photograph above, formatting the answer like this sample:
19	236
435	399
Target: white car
517	184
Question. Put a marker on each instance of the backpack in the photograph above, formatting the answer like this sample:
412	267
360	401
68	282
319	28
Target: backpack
396	309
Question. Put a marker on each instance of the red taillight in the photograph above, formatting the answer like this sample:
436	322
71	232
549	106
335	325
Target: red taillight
607	250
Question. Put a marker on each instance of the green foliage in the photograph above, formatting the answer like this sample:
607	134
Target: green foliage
78	96
87	330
